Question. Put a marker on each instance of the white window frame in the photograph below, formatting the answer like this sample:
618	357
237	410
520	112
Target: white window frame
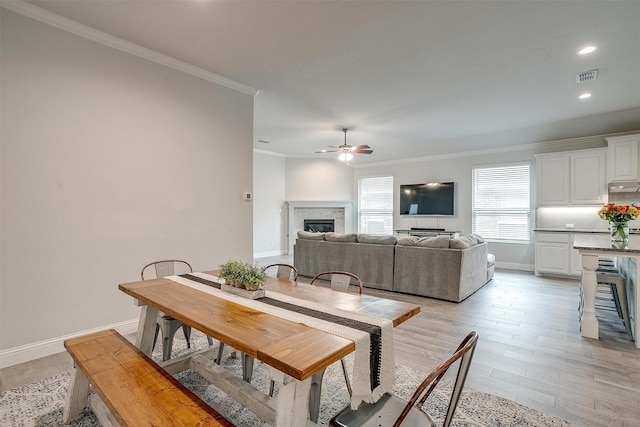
514	214
384	214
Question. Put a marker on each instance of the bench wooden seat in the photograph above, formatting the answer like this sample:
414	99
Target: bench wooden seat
130	388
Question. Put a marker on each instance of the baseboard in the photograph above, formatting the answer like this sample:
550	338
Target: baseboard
268	254
39	349
514	266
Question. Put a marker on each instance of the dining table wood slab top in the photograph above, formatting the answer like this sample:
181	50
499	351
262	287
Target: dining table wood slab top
298	330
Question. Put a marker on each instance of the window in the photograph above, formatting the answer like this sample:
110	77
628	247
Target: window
501	208
375	205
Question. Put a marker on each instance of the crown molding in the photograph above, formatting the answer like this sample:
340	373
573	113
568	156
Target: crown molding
269	153
545	146
103	38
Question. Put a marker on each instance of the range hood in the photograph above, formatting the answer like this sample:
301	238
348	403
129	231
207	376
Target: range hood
624	187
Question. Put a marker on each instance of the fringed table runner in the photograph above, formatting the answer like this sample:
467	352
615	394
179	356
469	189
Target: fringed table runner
374	366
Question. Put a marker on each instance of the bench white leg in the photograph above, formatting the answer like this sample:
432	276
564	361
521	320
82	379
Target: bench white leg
101	411
146	329
76	396
293	400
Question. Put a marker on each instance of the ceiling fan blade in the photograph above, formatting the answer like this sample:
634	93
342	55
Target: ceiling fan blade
363	149
361	146
326	151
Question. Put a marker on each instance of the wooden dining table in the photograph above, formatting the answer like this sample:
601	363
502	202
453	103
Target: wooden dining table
294	352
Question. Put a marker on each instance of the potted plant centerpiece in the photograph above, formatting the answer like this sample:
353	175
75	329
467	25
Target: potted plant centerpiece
242	278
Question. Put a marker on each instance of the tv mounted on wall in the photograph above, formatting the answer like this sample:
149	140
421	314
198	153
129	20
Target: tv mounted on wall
433	198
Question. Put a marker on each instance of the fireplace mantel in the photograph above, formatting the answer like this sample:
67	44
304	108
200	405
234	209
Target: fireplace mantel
345	222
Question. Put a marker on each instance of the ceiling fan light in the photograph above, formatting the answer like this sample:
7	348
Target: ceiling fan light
345	157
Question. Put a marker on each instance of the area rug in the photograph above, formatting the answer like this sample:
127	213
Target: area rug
40	403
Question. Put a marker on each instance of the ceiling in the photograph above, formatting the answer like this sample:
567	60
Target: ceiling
409	78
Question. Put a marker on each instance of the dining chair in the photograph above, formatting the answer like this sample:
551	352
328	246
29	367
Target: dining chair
391	410
165	323
341	281
283	271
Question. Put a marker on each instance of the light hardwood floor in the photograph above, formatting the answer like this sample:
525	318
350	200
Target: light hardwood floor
530	349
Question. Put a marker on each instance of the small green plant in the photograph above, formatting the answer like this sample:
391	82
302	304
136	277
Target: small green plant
242	275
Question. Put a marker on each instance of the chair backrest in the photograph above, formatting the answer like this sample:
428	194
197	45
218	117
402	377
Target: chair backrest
464	353
340	280
283	271
165	267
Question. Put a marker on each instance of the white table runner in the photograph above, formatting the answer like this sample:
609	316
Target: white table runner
361	382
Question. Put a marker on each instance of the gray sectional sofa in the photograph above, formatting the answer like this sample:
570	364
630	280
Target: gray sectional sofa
436	267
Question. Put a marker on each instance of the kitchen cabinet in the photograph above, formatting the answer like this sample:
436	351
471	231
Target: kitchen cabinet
571	178
555	255
552	253
575	260
622	158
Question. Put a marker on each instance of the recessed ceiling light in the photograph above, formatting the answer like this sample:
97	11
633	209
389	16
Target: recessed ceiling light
585	96
586	50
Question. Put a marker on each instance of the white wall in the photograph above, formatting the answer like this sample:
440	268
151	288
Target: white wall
109	161
324	179
269	215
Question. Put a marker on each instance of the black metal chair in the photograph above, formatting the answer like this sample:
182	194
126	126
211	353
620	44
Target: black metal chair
390	410
340	280
167	324
284	271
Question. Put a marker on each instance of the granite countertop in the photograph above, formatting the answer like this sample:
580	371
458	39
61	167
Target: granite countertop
602	243
571	230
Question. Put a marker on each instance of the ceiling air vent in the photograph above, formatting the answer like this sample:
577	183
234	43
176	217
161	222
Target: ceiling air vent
586	76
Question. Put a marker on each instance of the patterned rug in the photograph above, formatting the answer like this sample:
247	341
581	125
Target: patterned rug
40	403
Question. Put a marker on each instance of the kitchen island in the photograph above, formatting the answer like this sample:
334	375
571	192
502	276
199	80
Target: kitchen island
590	247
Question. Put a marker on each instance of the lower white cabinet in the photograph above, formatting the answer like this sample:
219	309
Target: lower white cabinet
575	262
555	255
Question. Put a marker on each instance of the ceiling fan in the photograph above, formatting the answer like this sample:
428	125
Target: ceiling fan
346	151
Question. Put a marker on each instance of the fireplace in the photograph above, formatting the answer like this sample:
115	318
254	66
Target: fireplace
319	225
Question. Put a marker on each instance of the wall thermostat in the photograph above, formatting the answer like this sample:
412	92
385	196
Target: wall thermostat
247	196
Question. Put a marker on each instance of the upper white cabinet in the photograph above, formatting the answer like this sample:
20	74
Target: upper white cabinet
572	177
622	158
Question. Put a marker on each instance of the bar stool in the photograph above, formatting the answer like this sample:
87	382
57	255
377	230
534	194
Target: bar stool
614	281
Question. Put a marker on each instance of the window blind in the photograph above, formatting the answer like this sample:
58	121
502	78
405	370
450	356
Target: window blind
375	205
501	206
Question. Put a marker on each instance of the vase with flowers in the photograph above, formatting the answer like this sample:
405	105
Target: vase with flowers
619	217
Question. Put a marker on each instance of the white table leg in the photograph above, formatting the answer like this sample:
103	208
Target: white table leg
589	322
293	400
146	329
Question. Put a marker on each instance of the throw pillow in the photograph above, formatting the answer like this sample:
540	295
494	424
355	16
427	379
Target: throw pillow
377	239
478	237
407	241
337	237
310	236
434	242
462	242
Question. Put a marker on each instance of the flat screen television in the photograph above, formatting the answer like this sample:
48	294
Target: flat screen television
433	198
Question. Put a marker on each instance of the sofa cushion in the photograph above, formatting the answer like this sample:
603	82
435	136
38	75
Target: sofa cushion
478	237
377	239
407	241
434	242
310	236
463	242
337	237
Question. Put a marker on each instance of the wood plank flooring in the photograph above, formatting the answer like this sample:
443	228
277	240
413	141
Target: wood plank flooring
530	349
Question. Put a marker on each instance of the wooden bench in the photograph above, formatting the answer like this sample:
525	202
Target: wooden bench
130	388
